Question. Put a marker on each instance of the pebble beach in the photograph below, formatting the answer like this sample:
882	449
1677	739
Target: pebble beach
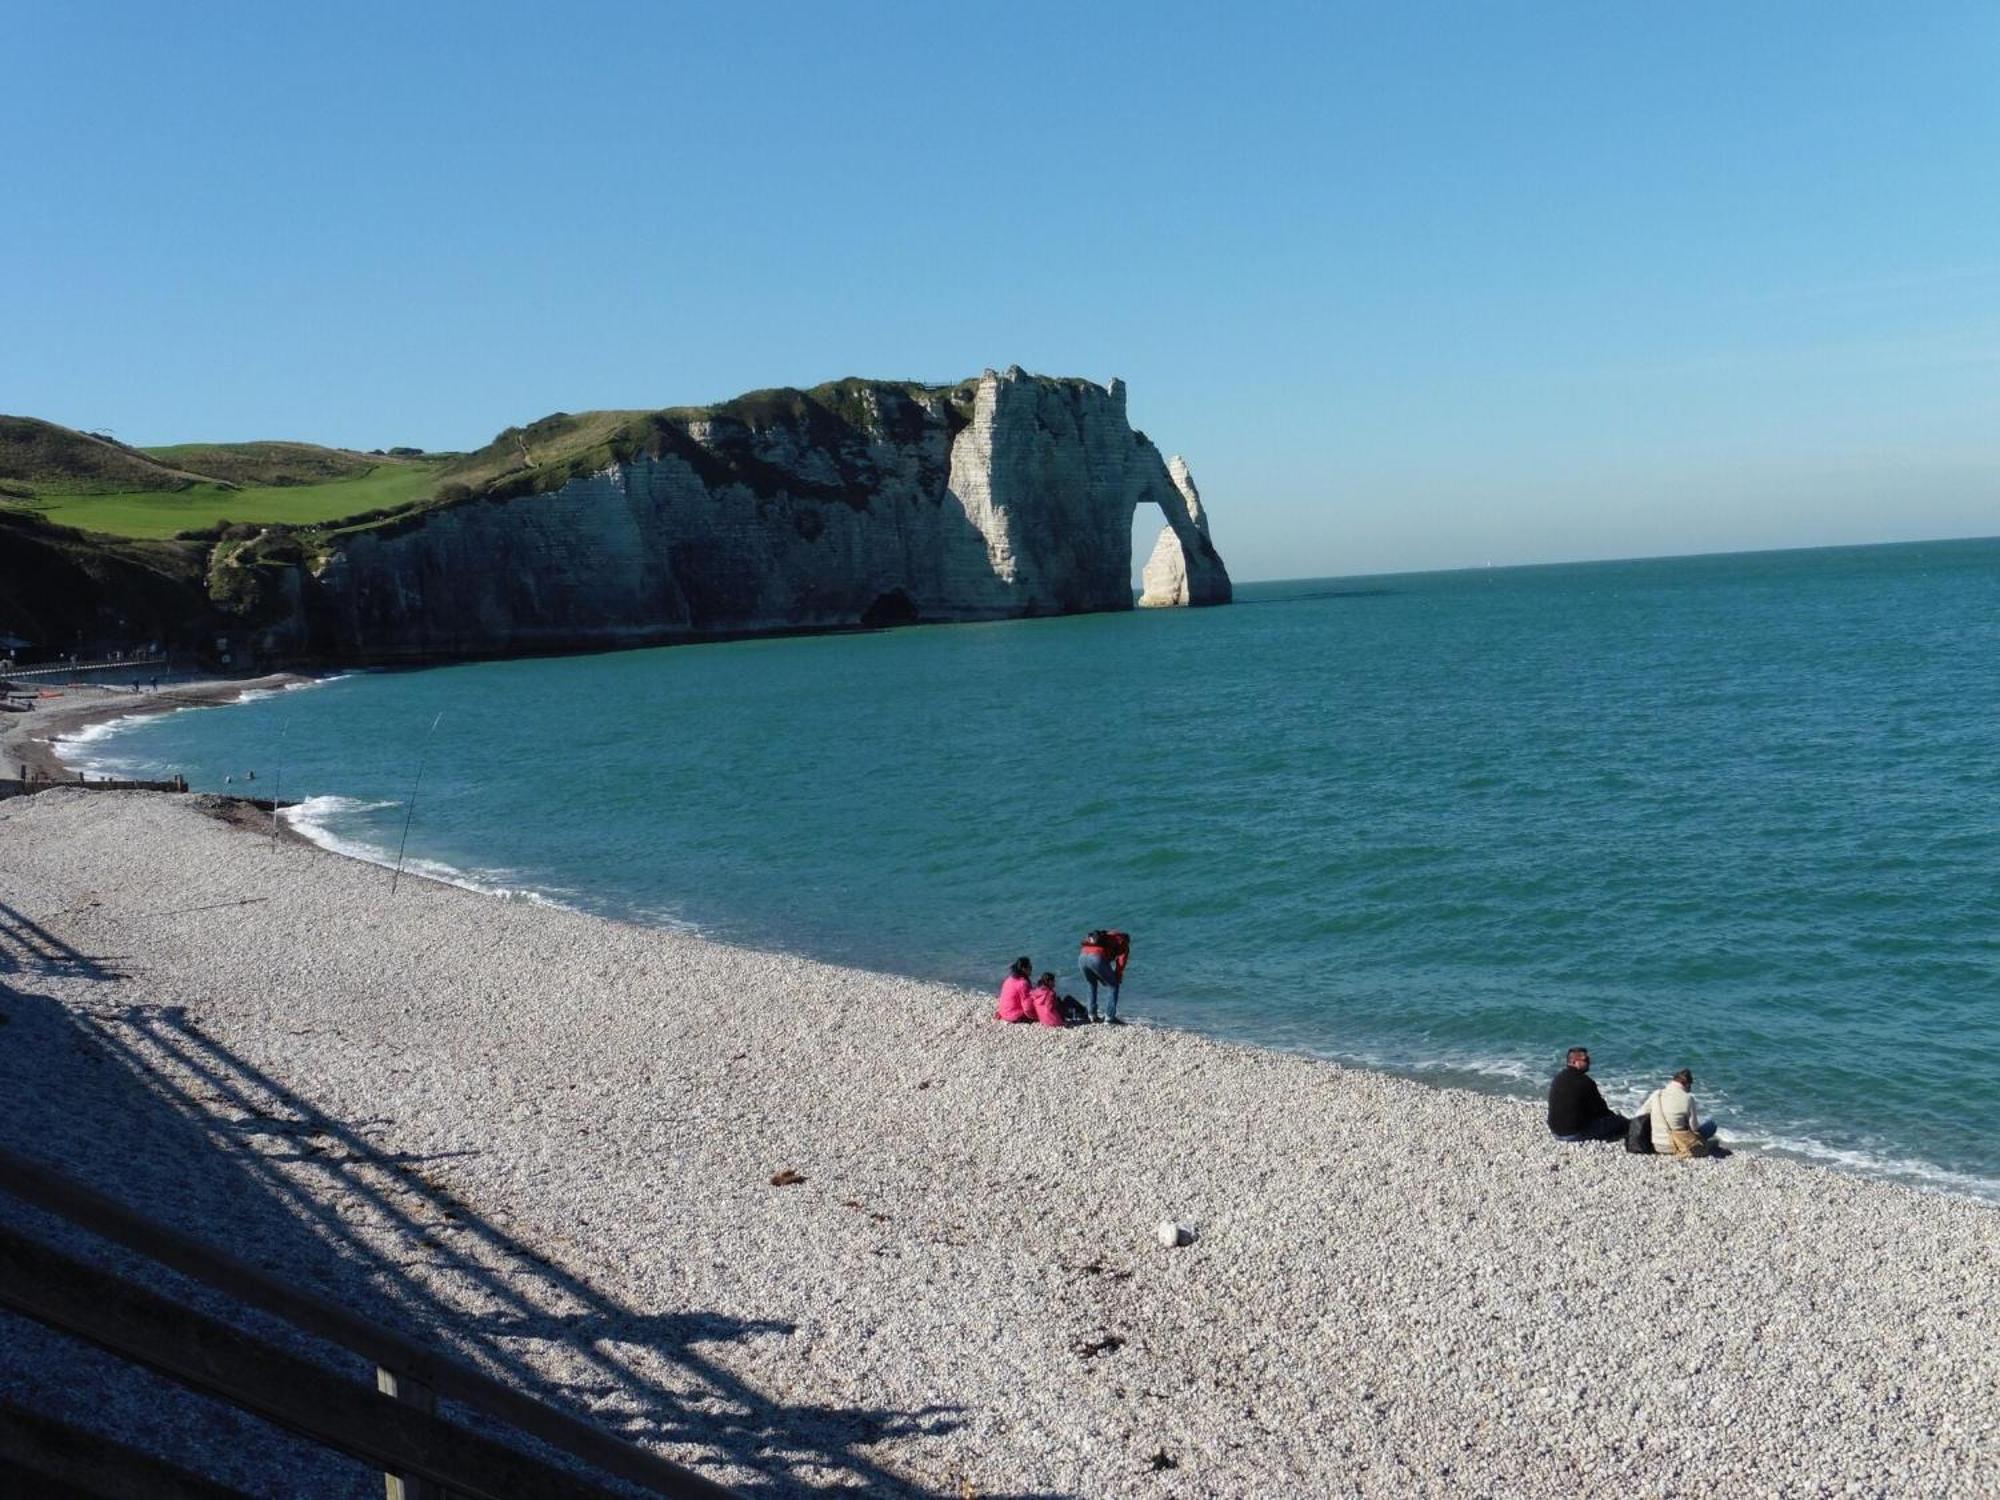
30	738
807	1227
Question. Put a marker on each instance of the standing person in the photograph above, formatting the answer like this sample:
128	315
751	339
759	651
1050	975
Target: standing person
1577	1111
1014	993
1678	1128
1103	962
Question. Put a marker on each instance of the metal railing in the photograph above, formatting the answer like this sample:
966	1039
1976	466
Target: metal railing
393	1426
67	670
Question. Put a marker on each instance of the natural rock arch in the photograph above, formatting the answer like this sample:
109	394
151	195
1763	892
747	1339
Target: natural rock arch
1048	475
1185	568
858	502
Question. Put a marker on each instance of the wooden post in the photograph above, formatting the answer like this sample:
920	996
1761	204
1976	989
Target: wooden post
412	1393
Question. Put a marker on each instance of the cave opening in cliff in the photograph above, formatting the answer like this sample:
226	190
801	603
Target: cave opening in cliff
892	608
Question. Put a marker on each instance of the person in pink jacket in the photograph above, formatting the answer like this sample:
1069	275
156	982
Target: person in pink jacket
1014	1004
1045	1003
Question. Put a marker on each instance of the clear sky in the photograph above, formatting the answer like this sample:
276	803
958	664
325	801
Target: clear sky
1410	285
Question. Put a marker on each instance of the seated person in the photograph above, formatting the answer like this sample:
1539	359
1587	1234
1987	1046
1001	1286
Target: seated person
1046	1004
1014	993
1577	1112
1677	1126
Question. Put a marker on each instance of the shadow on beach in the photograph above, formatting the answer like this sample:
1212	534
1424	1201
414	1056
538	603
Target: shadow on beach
136	1101
26	947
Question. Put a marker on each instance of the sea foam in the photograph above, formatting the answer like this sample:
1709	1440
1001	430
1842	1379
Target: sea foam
315	819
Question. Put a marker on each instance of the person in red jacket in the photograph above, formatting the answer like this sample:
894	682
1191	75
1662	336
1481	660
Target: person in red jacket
1014	993
1046	1003
1103	962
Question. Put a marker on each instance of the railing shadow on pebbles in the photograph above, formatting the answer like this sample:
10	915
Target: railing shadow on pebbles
141	1103
28	947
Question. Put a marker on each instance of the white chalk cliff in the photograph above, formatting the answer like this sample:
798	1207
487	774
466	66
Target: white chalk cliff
853	504
1168	581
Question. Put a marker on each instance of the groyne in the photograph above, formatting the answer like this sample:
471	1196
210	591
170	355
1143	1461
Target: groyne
26	785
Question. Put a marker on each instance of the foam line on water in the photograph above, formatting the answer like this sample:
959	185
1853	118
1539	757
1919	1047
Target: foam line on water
82	749
1908	1170
314	818
258	695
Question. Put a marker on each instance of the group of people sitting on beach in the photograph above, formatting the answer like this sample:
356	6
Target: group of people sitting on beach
1667	1124
1102	964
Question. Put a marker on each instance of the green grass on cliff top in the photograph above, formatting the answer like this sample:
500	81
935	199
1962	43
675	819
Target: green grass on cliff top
96	483
75	479
162	513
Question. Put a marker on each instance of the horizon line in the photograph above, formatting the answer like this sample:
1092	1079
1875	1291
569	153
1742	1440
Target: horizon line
1571	562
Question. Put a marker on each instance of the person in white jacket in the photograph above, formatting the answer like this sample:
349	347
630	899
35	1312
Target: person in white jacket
1677	1126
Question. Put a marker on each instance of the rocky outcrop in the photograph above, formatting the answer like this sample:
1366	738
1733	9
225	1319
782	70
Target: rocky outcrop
861	503
1178	574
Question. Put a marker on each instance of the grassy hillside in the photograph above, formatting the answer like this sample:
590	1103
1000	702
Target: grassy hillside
554	443
158	514
267	465
76	479
38	457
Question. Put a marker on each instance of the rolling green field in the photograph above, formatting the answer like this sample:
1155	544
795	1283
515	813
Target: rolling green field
95	483
156	513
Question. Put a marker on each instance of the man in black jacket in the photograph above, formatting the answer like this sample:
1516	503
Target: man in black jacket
1577	1112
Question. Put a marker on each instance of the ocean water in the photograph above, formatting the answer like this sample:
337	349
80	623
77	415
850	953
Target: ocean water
1738	813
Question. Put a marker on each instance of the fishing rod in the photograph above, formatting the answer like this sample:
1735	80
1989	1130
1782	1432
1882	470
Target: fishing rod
410	811
278	777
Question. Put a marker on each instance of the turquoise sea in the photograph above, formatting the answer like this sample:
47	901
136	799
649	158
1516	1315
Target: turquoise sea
1740	813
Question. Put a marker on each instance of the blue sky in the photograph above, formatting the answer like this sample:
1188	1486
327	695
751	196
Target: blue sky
1410	286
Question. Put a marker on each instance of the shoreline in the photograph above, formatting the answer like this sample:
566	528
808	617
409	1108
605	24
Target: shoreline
30	739
964	1289
1500	1081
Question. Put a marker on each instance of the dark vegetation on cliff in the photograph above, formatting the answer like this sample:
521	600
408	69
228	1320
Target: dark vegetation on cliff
842	418
67	590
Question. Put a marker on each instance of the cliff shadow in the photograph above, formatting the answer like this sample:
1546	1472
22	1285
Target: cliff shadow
139	1102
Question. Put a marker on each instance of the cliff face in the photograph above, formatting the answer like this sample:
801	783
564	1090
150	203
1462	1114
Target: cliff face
858	504
1177	573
